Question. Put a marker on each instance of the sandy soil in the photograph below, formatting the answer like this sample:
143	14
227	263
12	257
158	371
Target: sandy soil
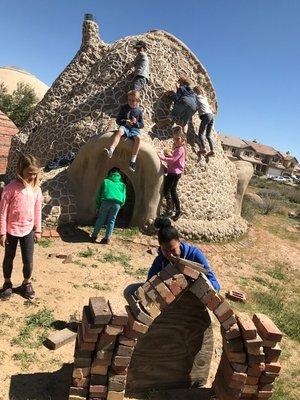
64	288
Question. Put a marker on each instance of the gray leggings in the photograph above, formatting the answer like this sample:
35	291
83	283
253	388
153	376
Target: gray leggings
207	121
27	246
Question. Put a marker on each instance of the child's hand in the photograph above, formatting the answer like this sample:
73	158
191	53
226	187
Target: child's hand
134	120
37	237
3	240
129	122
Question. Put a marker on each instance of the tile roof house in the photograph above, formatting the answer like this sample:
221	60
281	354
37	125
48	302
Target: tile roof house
265	159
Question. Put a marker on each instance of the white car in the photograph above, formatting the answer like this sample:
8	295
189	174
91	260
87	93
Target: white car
279	179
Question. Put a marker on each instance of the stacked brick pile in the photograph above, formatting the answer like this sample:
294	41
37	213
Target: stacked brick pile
108	334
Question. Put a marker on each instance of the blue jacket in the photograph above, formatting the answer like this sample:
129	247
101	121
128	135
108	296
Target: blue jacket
126	112
186	96
188	252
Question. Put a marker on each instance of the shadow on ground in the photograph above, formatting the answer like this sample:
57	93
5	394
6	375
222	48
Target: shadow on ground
73	234
42	385
176	394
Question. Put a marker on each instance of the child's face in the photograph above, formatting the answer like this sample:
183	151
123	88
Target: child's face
171	248
30	174
133	101
178	140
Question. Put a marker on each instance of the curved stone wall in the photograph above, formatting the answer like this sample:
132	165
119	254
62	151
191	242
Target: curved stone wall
107	337
85	99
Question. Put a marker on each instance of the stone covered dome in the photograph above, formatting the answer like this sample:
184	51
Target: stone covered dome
11	76
79	110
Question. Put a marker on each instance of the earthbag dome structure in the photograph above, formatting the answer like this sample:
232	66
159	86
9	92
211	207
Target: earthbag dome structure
78	113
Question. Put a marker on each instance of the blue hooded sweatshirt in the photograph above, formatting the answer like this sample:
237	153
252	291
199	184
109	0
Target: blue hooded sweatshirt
188	252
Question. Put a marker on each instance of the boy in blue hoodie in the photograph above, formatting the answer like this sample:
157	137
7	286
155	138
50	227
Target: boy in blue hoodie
110	198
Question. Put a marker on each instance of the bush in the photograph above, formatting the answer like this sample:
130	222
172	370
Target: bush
269	193
249	209
269	205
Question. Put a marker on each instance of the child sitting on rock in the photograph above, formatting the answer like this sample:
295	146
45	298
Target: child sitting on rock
130	121
175	168
110	198
207	120
141	66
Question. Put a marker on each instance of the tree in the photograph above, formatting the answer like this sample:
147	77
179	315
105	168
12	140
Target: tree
18	105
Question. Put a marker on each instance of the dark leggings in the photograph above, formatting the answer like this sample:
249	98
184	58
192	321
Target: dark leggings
27	246
170	190
207	121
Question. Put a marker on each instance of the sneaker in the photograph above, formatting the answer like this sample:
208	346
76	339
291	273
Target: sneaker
177	216
132	166
93	239
201	152
109	152
28	291
104	241
6	291
210	154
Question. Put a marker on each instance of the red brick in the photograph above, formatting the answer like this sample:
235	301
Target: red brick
250	389
236	296
268	377
272	353
154	296
256	358
273	367
87	336
235	357
46	233
97	390
54	233
162	289
188	271
137	310
119	314
247	326
231	333
113	330
81	382
239	367
228	323
82	345
252	380
170	282
134	325
125	341
121	361
223	311
214	302
100	310
266	328
152	309
263	395
253	346
256	369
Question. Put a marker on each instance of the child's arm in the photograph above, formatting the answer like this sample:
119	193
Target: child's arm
38	214
4	204
177	95
122	117
99	196
174	157
140	122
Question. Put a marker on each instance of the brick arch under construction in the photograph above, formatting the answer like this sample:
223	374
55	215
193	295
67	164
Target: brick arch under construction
108	335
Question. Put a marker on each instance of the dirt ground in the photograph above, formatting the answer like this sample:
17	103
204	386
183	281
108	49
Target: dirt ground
29	371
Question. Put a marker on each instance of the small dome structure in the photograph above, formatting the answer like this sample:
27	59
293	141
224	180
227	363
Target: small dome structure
11	76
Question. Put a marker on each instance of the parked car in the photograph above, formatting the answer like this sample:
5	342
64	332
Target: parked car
279	179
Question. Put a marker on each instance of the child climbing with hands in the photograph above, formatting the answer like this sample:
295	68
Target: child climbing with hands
20	221
175	161
130	121
207	120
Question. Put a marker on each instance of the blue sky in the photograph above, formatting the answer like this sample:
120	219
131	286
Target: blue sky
250	48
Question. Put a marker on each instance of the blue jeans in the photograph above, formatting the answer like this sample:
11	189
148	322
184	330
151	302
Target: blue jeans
207	121
182	112
107	214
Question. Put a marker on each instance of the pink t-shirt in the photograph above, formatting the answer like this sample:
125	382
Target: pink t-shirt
20	209
175	162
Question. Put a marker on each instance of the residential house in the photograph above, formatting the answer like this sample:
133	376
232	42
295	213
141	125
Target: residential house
265	159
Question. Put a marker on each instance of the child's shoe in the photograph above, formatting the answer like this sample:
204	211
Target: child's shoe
132	166
210	154
27	290
104	241
6	291
201	152
109	152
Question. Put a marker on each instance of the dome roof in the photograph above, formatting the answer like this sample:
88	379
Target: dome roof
6	124
12	75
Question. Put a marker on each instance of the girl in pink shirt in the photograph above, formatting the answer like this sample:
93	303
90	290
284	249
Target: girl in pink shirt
20	220
175	167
